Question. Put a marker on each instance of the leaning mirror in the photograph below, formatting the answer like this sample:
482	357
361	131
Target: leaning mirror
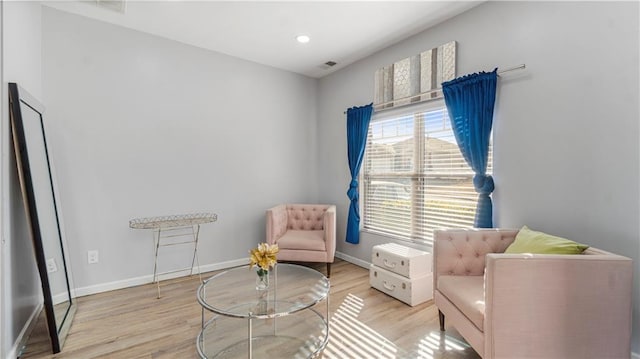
40	198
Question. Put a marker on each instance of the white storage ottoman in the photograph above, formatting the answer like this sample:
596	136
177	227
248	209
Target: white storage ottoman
411	291
402	272
405	261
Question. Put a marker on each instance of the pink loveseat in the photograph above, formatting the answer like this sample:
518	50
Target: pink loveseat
303	232
532	305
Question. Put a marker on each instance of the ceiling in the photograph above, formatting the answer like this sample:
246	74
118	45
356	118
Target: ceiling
265	31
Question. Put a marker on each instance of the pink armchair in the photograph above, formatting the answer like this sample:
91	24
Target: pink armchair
532	305
303	232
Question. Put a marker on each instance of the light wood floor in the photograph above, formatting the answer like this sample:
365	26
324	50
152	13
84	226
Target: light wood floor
132	323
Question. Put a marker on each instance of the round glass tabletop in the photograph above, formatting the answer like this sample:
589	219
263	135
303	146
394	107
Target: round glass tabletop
291	288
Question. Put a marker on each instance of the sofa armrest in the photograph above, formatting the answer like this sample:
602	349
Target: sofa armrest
276	223
557	306
462	251
329	225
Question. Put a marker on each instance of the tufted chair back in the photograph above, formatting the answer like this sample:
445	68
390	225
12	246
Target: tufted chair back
466	249
306	217
302	217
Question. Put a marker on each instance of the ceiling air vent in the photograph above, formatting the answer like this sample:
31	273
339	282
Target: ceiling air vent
329	64
113	5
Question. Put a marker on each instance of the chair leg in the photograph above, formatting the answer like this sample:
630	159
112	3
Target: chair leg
328	270
441	317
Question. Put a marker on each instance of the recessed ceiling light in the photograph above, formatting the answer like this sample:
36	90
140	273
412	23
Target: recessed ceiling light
303	39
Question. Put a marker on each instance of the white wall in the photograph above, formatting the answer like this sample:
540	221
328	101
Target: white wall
143	126
566	153
21	63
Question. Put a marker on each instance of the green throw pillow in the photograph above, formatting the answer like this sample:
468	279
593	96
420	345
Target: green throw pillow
528	241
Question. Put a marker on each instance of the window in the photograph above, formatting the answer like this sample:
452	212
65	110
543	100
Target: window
415	178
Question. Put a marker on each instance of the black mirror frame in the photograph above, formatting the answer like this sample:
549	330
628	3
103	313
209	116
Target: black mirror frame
18	95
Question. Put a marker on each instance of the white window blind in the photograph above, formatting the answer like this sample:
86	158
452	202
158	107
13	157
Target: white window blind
415	178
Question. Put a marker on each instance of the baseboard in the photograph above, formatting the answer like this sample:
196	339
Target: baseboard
146	279
21	340
59	298
354	260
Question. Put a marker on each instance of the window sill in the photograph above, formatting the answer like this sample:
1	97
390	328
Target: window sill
418	244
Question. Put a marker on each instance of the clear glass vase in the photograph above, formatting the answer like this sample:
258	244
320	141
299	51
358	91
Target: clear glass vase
262	281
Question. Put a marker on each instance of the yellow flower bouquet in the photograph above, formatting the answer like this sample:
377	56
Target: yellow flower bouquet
264	257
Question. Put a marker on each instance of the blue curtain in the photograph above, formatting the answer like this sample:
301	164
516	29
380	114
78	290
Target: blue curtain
357	128
470	101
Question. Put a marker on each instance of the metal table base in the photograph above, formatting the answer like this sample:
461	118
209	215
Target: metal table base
171	231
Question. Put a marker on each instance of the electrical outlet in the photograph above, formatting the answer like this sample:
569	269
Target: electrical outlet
51	265
92	257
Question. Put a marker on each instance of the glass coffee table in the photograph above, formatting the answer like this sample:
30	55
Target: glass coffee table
281	321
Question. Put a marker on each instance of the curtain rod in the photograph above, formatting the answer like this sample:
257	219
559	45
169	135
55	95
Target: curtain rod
519	67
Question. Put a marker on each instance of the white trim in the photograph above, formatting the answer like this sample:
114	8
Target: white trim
146	279
635	355
354	260
25	332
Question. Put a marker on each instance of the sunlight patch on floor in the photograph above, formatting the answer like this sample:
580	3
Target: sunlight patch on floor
351	338
435	343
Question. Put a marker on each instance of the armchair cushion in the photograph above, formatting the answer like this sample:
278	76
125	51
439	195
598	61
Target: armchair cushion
528	241
302	240
467	294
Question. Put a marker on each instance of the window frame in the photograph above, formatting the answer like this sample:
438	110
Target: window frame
418	176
